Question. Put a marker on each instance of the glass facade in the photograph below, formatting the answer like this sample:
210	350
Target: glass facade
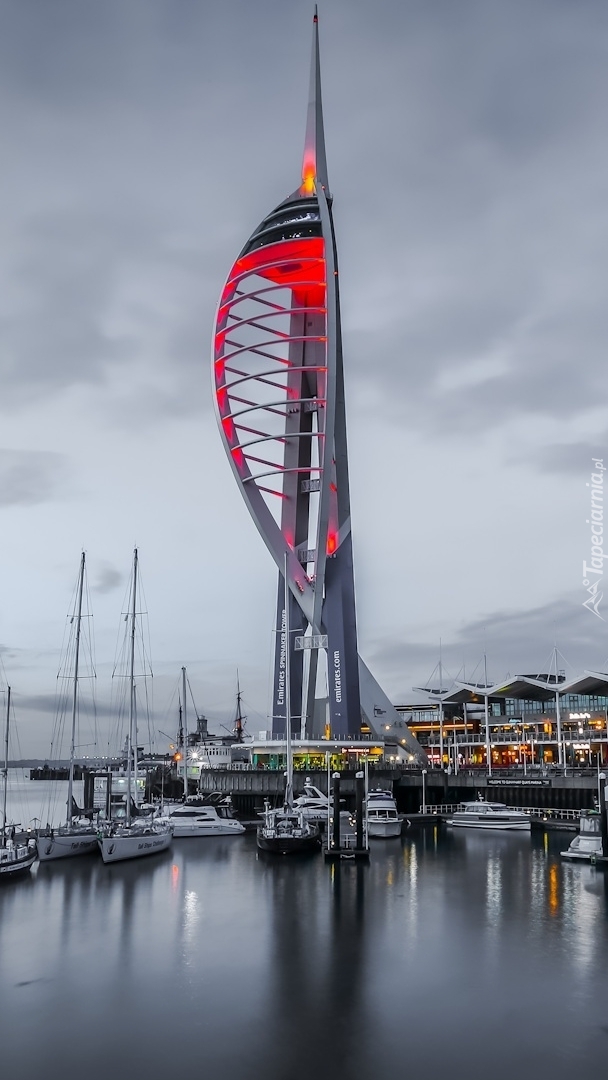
522	731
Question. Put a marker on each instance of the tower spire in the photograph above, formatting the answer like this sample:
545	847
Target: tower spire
314	164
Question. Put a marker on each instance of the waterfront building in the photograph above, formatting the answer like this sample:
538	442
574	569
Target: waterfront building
535	721
311	754
279	388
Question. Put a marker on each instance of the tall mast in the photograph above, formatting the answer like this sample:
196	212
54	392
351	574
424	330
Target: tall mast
131	689
238	722
185	729
8	713
289	784
75	694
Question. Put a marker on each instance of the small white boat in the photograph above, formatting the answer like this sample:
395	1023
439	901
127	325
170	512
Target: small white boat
490	815
382	816
195	817
587	845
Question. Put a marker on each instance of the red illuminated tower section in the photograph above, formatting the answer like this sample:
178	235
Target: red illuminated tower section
279	388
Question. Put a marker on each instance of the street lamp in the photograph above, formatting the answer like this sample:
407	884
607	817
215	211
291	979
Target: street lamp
424	791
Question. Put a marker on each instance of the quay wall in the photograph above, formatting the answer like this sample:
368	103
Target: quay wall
250	787
558	792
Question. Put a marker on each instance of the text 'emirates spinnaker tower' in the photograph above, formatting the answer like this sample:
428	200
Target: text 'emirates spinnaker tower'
279	387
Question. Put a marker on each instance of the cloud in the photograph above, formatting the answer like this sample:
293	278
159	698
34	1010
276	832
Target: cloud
28	477
108	579
574	458
477	268
54	704
473	248
142	144
76	308
515	642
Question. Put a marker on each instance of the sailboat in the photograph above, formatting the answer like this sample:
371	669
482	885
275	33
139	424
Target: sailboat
239	720
137	836
286	830
75	837
16	856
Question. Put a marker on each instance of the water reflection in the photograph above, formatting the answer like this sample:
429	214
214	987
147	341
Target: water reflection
316	996
209	956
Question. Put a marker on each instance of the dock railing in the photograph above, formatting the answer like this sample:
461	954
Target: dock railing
541	813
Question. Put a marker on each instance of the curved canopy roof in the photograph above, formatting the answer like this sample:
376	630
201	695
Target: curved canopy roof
520	687
591	682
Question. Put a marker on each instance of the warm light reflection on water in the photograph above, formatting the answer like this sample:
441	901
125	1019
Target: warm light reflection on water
553	890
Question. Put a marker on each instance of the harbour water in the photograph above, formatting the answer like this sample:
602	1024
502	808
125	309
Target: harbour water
450	954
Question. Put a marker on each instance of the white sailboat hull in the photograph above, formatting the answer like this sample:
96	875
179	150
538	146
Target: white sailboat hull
133	844
63	845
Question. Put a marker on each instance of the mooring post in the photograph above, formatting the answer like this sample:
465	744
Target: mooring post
336	801
359	804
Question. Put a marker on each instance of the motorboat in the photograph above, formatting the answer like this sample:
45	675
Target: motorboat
490	815
382	816
195	817
313	804
587	844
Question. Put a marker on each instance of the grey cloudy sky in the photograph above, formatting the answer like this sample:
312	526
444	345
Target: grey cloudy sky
142	143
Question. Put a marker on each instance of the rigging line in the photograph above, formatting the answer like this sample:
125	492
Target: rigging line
192	696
